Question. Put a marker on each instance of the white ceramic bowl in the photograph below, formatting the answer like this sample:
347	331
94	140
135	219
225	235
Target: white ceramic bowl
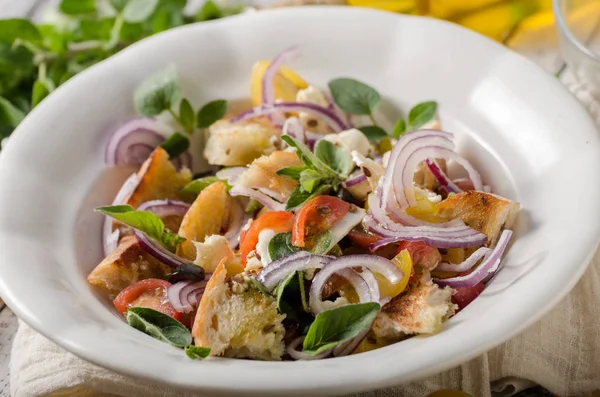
530	139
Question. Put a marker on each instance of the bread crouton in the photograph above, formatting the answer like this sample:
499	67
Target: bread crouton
484	212
124	266
262	173
158	179
204	218
213	251
236	320
421	309
238	144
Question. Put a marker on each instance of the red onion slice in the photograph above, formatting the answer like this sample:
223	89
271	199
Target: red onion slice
275	272
132	143
298	355
159	252
327	115
110	237
268	80
487	268
231	174
184	295
262	198
355	178
183	160
364	283
164	208
467	264
374	263
441	177
347	347
271	193
294	128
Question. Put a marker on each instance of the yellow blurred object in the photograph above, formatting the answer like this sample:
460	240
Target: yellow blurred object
371	342
404	6
447	9
454	255
425	210
385	145
449	393
389	290
536	31
287	83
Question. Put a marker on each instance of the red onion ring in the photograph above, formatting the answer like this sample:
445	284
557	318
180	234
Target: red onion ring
278	270
372	262
441	177
159	252
184	295
132	143
165	208
355	178
294	128
467	264
262	198
110	237
271	193
487	268
327	115
347	347
231	174
183	160
364	283
298	355
268	80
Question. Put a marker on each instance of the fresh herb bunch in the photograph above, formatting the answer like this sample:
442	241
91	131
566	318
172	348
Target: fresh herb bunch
36	59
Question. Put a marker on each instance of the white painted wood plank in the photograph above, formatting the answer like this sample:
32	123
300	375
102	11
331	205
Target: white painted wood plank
8	328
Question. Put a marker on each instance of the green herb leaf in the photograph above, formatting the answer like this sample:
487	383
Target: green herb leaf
299	197
41	89
307	156
15	28
211	112
291	172
196	186
253	206
322	243
77	7
176	144
144	221
197	352
310	180
118	5
159	326
186	115
399	128
171	240
159	92
291	297
281	245
373	133
354	97
9	113
334	326
421	114
208	12
137	11
259	286
336	158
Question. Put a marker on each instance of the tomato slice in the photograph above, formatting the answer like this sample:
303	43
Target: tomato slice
421	254
150	293
279	221
363	239
465	295
317	216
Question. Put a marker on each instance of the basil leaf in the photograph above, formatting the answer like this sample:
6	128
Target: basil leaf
334	326
159	326
137	11
171	240
291	297
176	144
309	180
421	114
144	221
253	206
16	28
307	156
159	92
291	172
198	185
41	89
399	128
281	245
197	352
186	115
334	157
76	7
299	197
211	112
10	114
354	97
322	243
118	5
208	12
373	133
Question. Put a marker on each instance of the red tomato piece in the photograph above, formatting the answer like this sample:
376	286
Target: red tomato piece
317	216
363	239
279	221
150	293
421	254
465	295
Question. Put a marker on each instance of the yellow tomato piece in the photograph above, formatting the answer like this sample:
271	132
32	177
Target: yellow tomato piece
385	145
287	83
449	393
454	255
425	210
371	342
389	290
386	5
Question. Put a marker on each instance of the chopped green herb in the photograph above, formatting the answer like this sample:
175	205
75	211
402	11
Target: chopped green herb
373	133
421	114
399	128
196	186
211	112
197	352
158	93
354	97
281	245
176	144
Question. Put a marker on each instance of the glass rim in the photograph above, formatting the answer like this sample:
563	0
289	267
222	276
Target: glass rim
560	21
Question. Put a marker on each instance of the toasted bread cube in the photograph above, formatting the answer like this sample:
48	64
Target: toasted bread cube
421	309
158	179
238	144
213	251
262	173
236	320
484	212
124	266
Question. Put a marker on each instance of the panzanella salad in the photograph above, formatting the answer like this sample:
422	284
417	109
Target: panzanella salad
315	232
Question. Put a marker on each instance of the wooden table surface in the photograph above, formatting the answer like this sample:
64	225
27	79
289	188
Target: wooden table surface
548	59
